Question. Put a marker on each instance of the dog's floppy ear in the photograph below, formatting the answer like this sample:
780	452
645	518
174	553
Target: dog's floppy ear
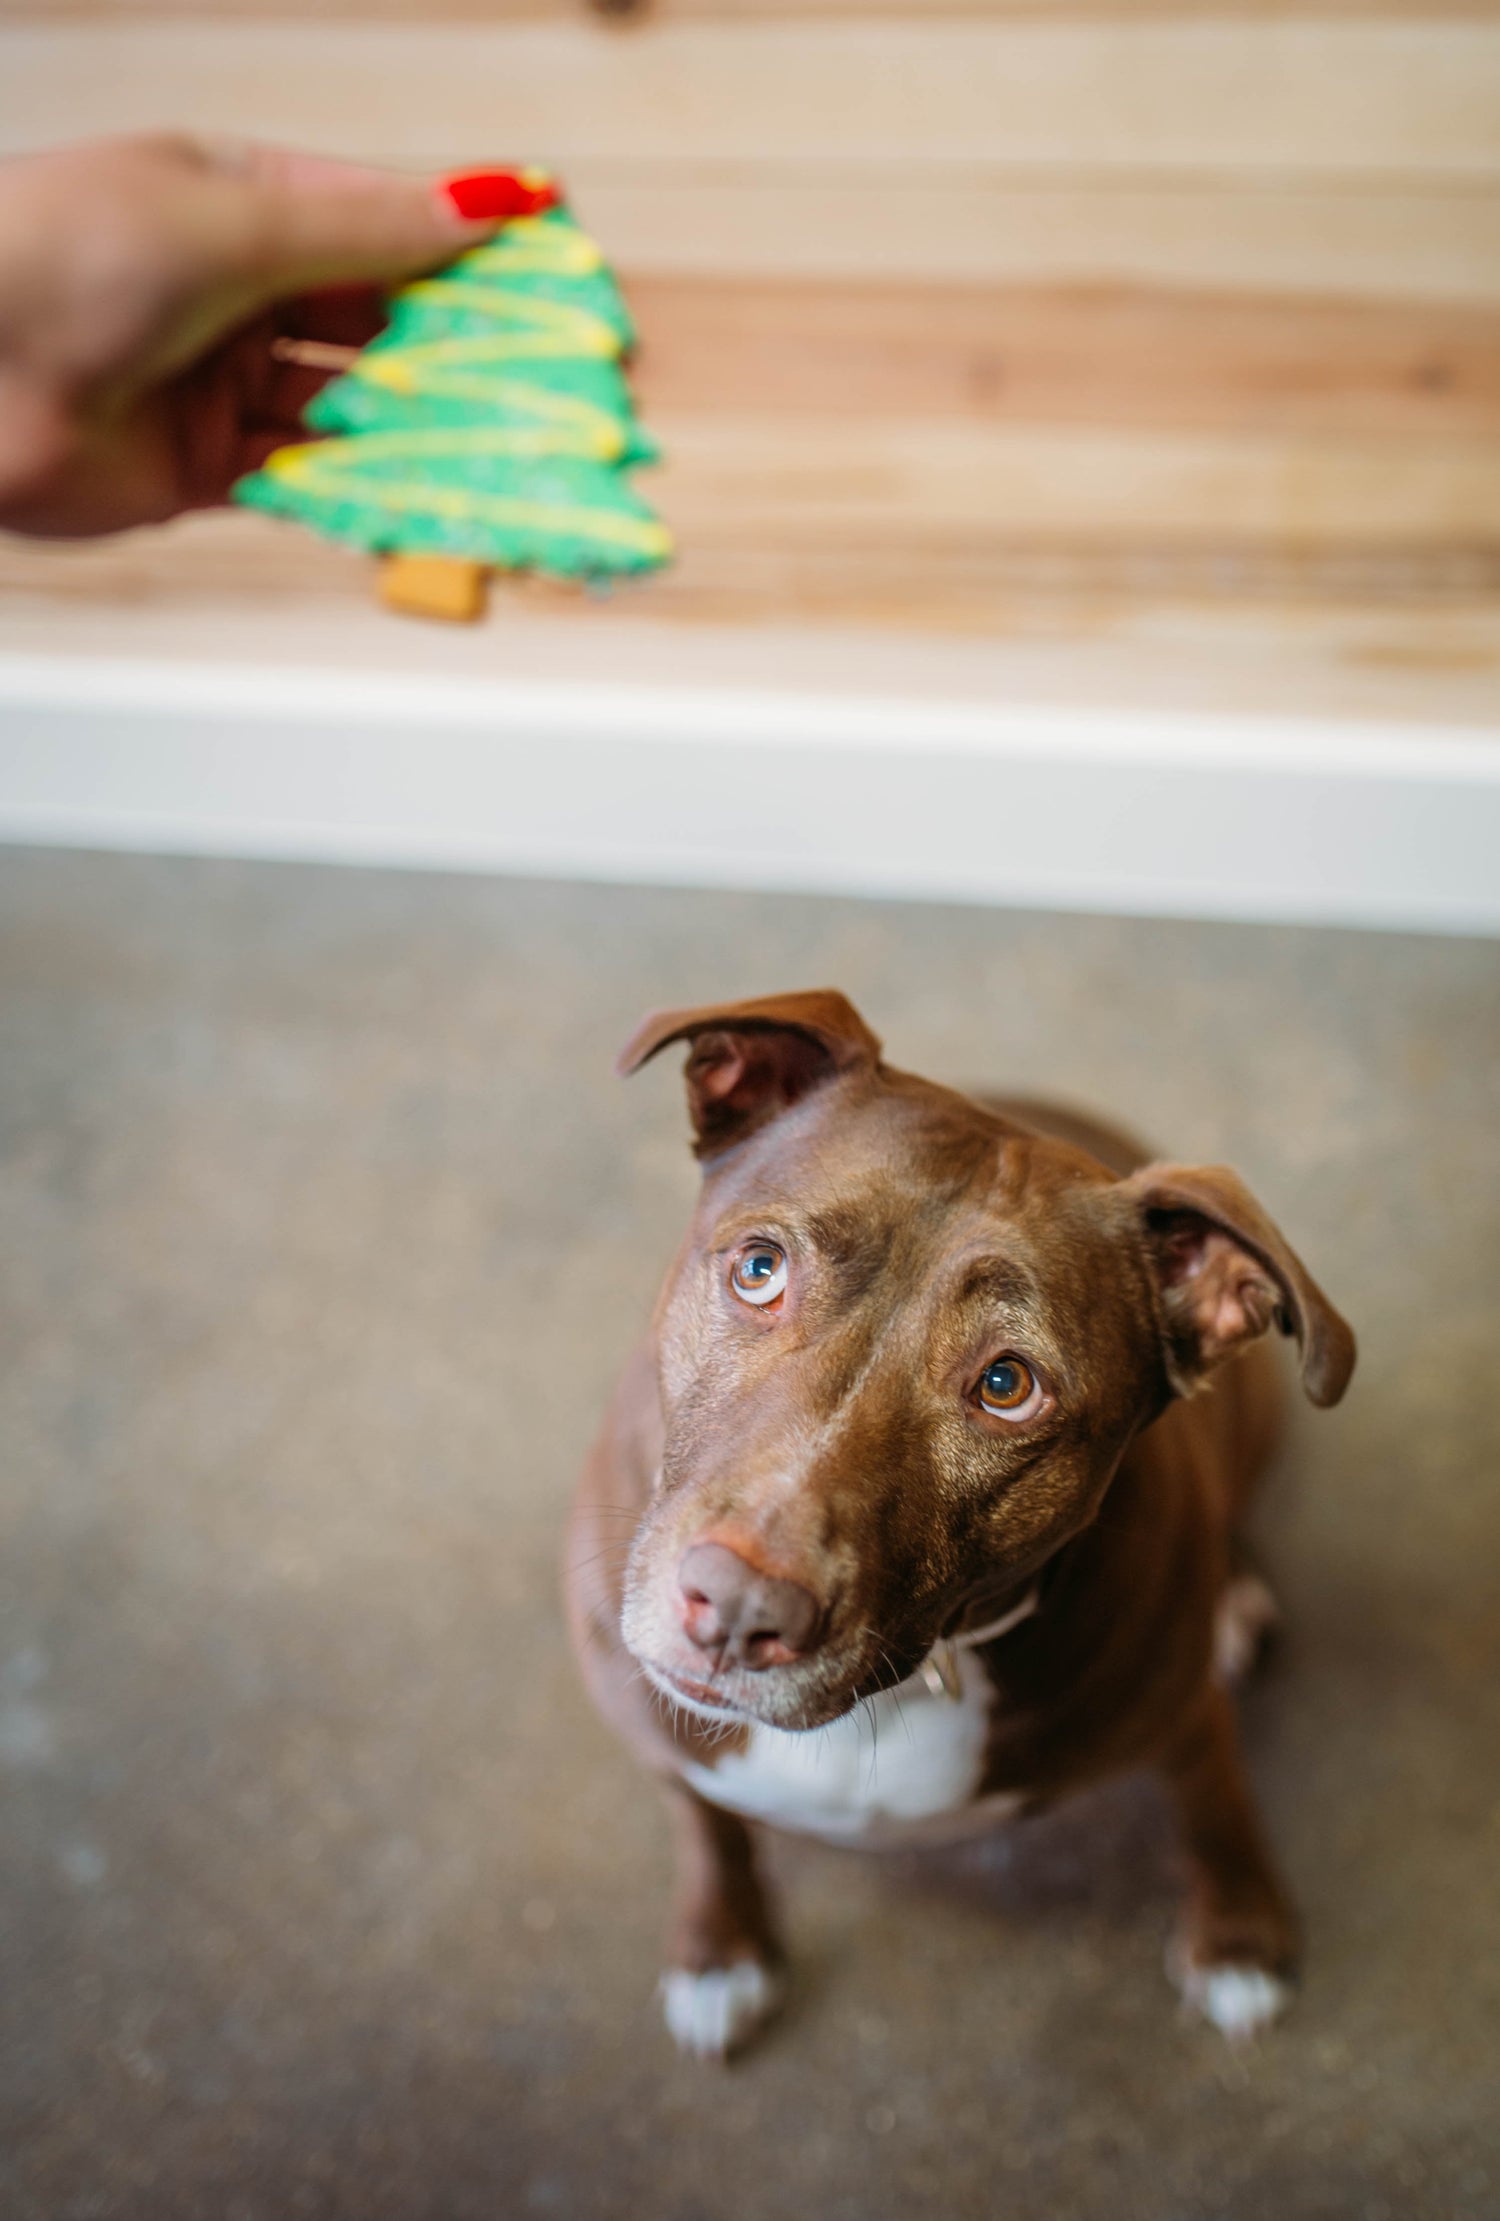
749	1060
1224	1273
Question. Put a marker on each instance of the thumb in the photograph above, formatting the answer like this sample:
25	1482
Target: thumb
309	222
241	227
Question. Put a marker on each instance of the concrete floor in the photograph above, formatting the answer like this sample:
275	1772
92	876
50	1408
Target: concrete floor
322	1226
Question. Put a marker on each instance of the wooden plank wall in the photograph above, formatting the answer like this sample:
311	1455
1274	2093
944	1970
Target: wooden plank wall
944	301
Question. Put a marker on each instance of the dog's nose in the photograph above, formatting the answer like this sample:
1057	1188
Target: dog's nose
751	1618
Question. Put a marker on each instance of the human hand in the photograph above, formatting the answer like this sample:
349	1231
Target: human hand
144	284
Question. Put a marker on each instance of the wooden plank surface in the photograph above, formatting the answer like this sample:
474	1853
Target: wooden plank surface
836	485
916	532
1375	636
1428	243
625	16
1110	356
925	456
856	249
1321	98
1150	150
993	583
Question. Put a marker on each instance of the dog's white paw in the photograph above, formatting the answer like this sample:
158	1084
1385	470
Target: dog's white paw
1239	2000
1243	1617
711	2015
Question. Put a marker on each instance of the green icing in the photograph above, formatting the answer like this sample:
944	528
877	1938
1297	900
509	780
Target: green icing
517	263
491	420
465	387
561	514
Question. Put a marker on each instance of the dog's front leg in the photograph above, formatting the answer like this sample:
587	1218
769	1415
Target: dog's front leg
724	1962
1236	1944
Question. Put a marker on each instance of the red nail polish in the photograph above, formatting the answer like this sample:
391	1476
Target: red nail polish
485	195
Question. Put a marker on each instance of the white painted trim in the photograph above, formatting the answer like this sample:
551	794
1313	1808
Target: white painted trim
1332	821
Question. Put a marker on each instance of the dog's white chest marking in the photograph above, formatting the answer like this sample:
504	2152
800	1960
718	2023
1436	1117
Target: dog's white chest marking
899	1765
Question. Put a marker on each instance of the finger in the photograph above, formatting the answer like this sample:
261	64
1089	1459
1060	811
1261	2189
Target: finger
35	441
233	229
309	222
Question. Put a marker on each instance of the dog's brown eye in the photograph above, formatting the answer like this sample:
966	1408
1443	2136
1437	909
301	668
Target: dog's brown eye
1005	1386
758	1274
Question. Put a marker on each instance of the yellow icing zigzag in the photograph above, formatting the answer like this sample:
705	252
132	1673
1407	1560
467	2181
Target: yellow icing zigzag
528	246
582	427
556	327
330	469
495	367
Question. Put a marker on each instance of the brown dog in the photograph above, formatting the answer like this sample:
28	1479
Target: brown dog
909	1345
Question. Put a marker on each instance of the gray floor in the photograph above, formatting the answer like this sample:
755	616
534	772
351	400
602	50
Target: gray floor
322	1226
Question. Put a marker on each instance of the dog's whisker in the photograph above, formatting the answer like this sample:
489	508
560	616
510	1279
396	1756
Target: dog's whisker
895	1688
609	1551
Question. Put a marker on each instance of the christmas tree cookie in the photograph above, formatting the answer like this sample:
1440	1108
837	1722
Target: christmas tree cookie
489	427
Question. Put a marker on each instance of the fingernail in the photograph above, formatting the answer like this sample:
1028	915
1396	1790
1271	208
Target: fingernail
486	196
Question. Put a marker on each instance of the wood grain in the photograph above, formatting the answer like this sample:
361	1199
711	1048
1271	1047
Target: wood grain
1420	610
737	481
1321	98
930	457
628	17
1427	243
1105	355
992	310
1267	151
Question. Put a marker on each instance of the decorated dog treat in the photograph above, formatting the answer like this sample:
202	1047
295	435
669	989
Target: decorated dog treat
489	427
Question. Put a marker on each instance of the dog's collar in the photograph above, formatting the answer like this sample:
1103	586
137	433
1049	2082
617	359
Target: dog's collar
939	1669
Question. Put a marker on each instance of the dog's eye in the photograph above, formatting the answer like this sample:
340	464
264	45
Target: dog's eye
758	1274
1006	1387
